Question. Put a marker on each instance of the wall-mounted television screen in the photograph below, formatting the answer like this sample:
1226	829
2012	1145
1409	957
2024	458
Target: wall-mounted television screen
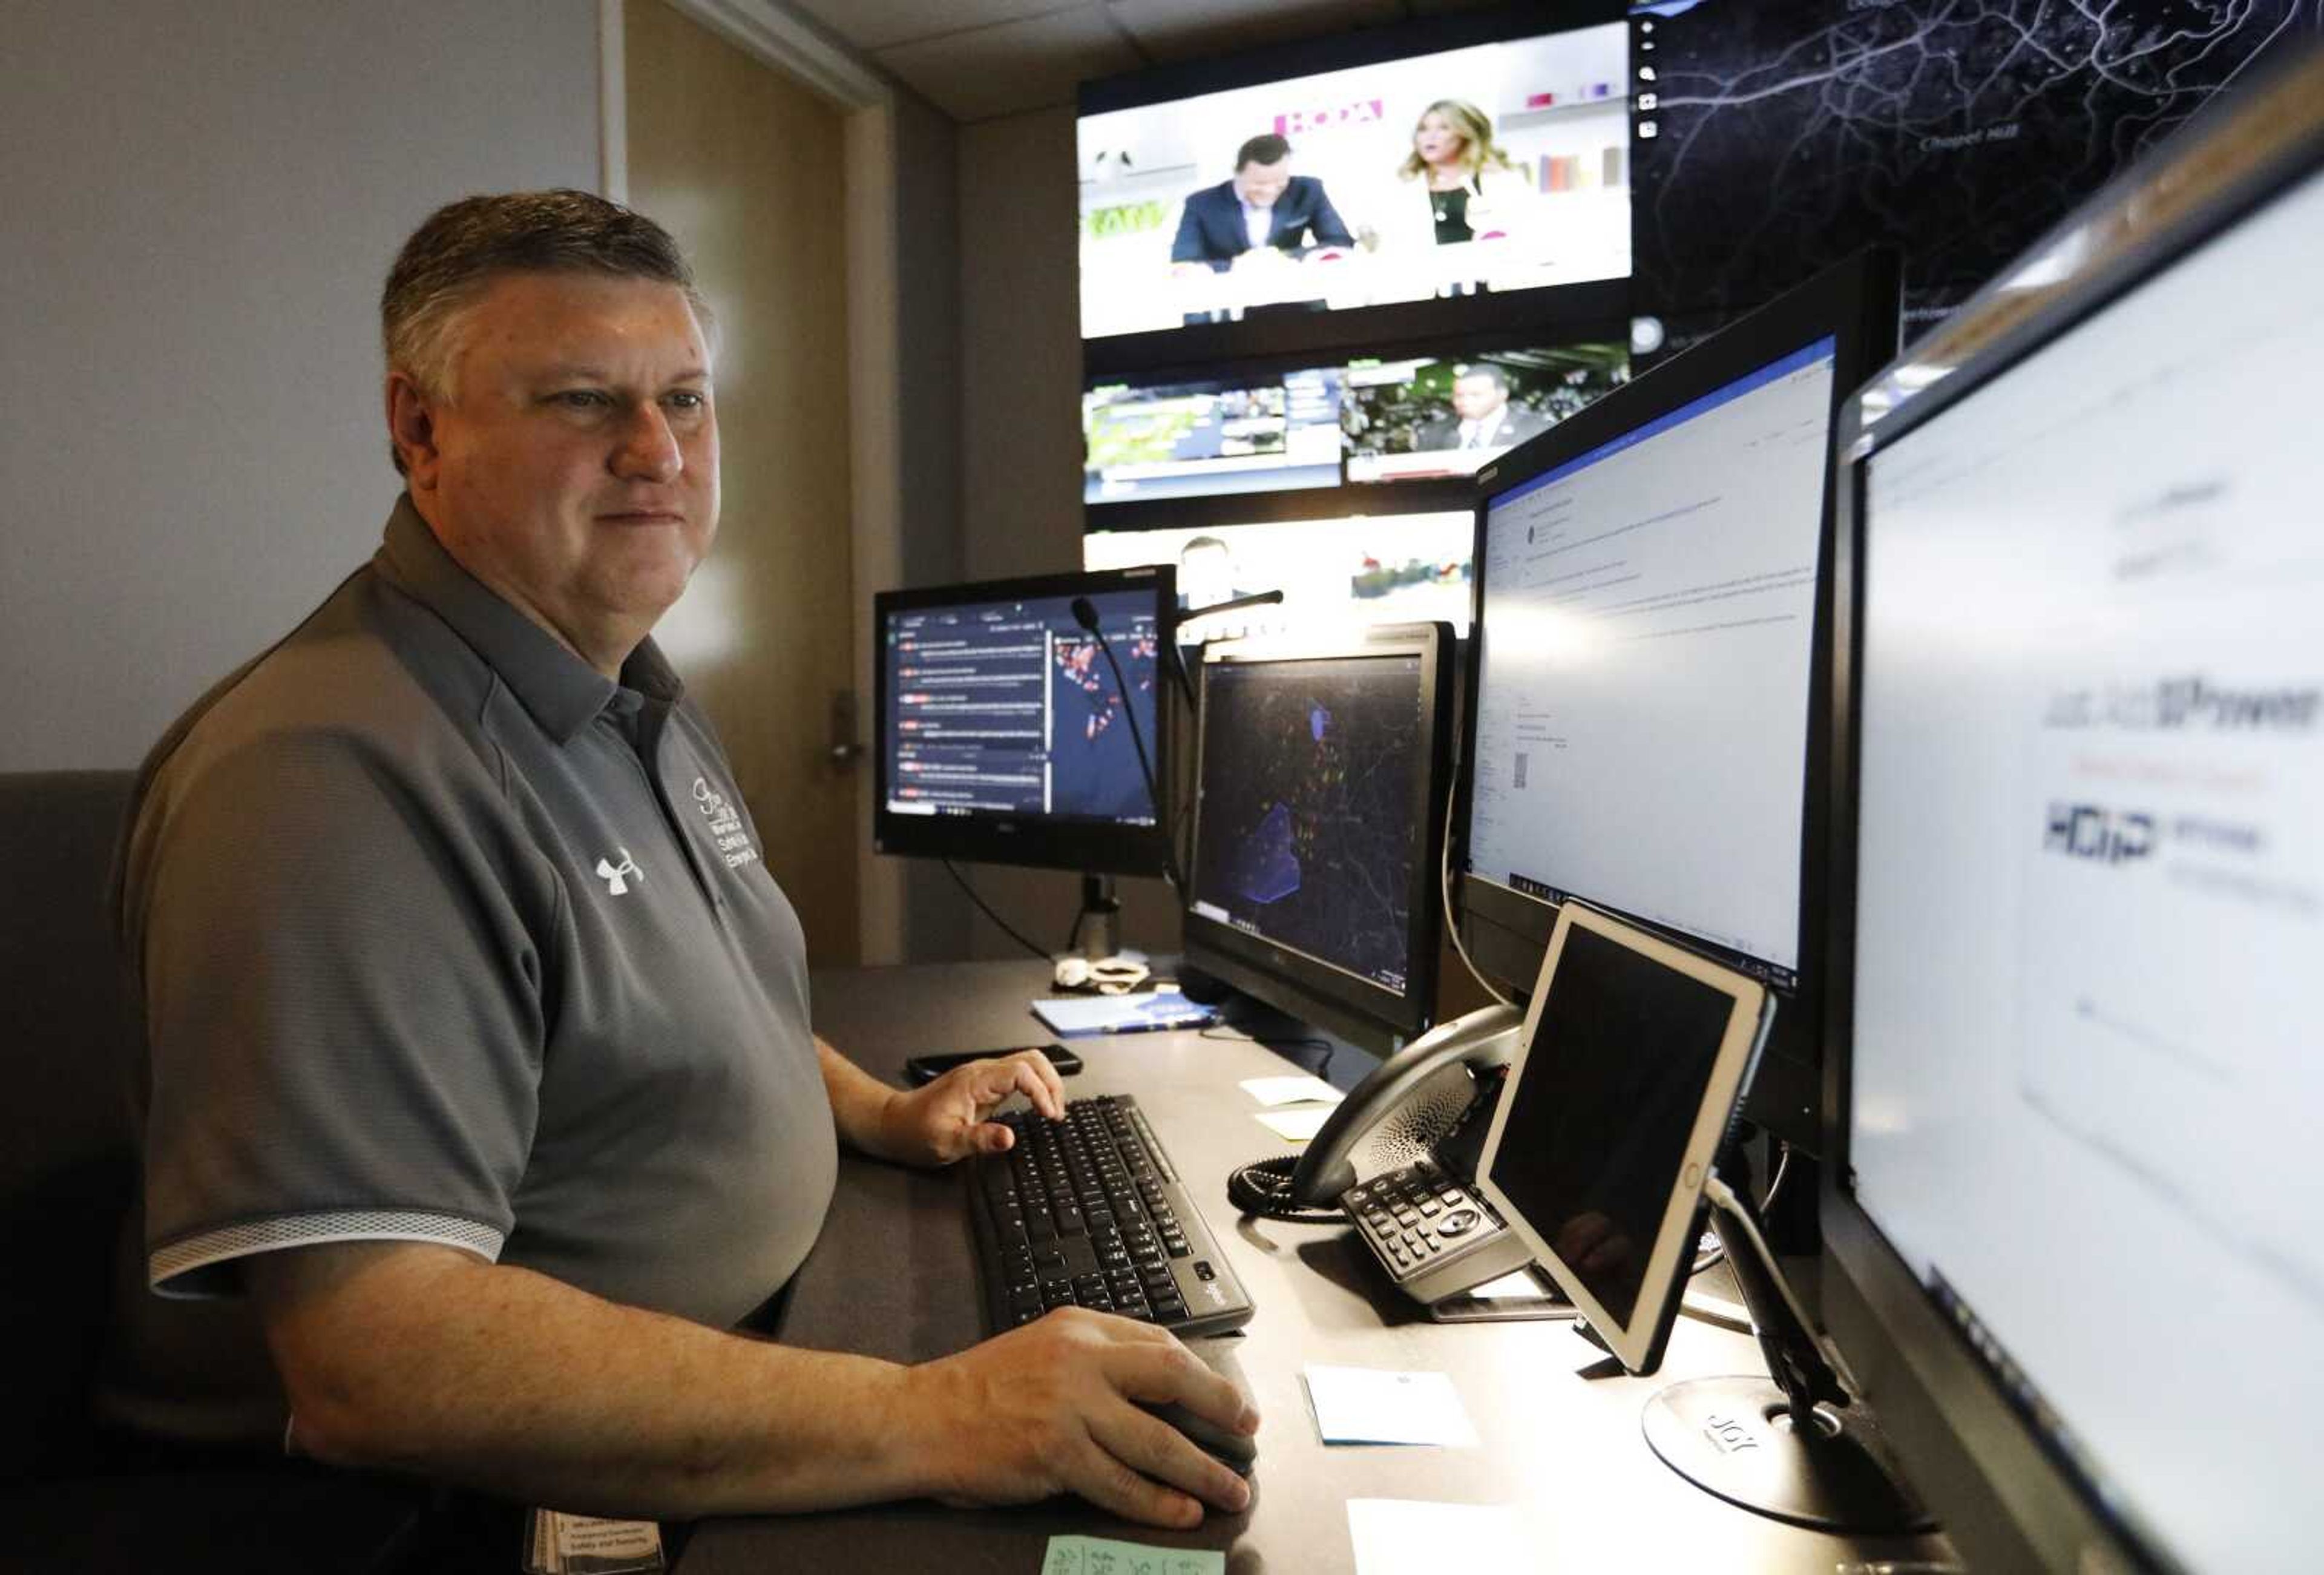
1245	434
1391	568
1775	137
1488	167
1427	420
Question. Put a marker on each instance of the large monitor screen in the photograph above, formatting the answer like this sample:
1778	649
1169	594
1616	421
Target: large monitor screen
1248	434
1308	787
1430	419
2091	889
1389	568
1001	719
1494	167
1774	137
1319	826
1642	696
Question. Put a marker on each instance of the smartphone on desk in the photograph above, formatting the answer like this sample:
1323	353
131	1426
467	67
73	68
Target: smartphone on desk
922	1068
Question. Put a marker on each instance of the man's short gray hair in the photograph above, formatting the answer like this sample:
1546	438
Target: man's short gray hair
452	258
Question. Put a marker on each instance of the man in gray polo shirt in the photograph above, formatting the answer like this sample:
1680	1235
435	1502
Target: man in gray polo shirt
481	1060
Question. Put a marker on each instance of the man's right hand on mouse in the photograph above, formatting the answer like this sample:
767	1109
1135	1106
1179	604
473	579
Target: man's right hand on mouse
1055	1407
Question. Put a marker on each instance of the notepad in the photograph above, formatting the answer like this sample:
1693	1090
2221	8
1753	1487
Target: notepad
1294	1126
1402	1536
1149	1012
1290	1091
1377	1405
1103	1556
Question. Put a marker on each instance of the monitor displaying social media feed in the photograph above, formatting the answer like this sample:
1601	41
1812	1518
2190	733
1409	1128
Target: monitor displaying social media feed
1006	735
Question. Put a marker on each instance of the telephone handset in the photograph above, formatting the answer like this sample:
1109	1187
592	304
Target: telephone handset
1407	1105
1390	1160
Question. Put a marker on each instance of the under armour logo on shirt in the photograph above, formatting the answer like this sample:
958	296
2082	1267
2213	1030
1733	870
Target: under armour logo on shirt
617	877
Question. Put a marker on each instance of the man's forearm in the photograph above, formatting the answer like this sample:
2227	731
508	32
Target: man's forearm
859	1102
420	1359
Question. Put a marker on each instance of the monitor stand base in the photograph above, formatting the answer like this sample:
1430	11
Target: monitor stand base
1734	1438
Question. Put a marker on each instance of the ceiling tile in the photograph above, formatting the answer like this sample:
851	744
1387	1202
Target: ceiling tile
879	24
1015	66
1185	30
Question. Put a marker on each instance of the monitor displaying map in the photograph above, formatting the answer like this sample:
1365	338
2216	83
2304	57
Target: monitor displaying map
1772	138
1306	837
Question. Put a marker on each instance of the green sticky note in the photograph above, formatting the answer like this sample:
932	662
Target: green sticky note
1099	1556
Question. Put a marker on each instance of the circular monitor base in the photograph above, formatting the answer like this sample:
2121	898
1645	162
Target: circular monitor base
1734	1438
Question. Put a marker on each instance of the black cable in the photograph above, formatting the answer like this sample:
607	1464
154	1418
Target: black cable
1263	1187
1085	614
983	908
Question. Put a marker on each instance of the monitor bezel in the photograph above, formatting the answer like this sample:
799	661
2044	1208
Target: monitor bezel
2006	1497
1090	846
1640	1341
1858	304
1361	1010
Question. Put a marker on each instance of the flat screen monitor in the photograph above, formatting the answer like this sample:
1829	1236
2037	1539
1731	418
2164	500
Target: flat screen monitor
2072	1244
1454	163
1651	594
1376	433
1774	137
1634	1054
1250	433
1318	822
1436	417
1004	736
1333	574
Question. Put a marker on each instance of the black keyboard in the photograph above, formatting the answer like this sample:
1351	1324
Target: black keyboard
1088	1213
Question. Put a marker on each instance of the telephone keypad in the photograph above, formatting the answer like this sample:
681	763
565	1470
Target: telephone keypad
1427	1229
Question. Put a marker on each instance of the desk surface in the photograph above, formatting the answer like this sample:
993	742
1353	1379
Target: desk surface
894	1277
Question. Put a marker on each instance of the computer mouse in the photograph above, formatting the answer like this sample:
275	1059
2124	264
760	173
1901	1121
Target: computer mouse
1236	1452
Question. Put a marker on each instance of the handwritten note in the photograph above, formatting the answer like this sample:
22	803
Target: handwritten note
1099	1556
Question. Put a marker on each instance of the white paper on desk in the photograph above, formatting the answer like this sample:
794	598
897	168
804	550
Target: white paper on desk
1290	1091
1402	1536
1294	1126
1374	1405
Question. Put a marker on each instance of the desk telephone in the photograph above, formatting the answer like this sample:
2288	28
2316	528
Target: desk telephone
1399	1158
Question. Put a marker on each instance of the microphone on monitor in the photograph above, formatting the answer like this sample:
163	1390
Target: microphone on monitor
1085	614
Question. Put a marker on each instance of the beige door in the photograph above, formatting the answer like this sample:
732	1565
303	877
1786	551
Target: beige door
746	167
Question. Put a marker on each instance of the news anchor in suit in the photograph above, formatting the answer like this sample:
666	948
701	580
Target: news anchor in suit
1265	205
1482	415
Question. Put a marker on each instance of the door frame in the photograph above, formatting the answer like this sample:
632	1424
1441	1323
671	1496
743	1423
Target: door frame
874	367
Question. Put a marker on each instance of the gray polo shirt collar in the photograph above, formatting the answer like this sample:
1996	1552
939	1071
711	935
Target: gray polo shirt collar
562	692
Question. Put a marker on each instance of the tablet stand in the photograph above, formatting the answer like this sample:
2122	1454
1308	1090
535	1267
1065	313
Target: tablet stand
1740	1438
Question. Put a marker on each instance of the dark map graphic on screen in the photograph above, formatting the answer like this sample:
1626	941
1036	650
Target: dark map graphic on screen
1785	135
1307	806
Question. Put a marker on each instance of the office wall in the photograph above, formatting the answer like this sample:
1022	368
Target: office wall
1020	438
926	168
197	207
